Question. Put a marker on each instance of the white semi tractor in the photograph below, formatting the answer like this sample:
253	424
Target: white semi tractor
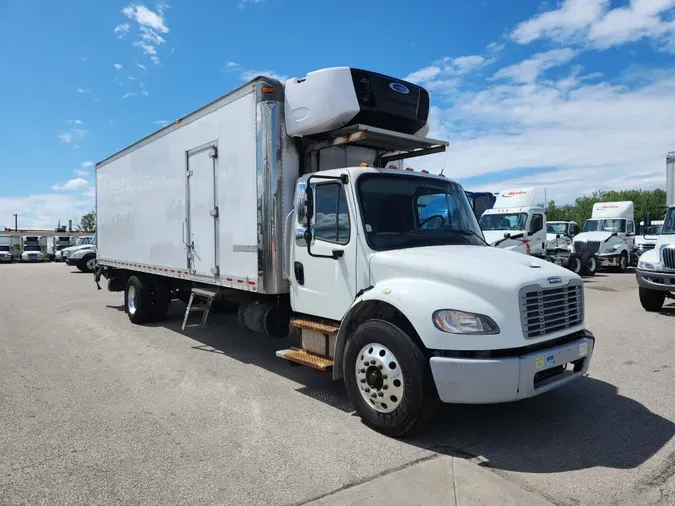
656	267
9	245
276	198
610	234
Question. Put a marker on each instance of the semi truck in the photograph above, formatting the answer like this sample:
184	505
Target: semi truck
655	271
646	236
82	256
609	234
6	248
281	198
56	244
32	248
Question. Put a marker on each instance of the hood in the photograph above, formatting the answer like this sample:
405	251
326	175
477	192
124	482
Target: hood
77	248
592	236
665	239
492	236
649	239
479	269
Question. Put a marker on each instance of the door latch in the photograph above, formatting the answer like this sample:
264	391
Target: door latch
214	212
213	152
189	172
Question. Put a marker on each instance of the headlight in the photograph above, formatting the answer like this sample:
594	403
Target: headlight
461	322
649	266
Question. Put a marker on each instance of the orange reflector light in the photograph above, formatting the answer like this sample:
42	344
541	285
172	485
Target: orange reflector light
392	166
424	171
364	164
409	168
267	89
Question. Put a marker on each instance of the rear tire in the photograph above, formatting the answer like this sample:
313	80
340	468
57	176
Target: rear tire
575	264
407	370
651	300
137	301
591	266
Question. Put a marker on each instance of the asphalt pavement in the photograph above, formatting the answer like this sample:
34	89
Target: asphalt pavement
95	410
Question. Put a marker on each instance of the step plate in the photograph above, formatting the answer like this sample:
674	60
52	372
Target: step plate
324	328
305	358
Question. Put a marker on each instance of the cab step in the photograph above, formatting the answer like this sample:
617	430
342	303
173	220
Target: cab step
303	357
323	327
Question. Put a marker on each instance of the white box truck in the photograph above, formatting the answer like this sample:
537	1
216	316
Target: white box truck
32	248
276	197
656	267
610	234
6	249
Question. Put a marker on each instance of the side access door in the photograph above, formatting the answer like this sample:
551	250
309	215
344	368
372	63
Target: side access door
323	276
202	212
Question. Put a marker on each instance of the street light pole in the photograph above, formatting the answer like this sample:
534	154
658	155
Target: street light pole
16	222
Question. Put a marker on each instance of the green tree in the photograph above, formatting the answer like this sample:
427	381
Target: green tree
88	222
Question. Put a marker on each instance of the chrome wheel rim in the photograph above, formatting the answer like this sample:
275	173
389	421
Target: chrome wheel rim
622	262
379	378
592	264
131	300
91	264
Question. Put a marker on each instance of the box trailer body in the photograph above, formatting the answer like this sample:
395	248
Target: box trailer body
33	248
290	202
610	234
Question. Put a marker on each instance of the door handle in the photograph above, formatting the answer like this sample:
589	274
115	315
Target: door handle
183	230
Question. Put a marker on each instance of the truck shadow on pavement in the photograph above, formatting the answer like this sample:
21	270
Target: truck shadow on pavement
582	425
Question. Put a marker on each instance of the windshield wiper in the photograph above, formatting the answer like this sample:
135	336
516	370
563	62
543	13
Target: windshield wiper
470	232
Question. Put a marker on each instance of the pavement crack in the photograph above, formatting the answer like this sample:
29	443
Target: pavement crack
40	462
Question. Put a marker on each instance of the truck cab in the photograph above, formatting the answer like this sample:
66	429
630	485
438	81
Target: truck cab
646	236
514	223
33	249
559	234
656	267
609	234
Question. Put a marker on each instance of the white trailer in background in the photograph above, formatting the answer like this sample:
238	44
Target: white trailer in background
670	179
6	249
56	244
610	234
33	248
276	198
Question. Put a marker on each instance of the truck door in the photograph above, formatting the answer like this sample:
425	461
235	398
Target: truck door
202	212
320	285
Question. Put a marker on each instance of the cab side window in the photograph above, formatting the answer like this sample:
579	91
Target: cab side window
332	214
630	229
537	223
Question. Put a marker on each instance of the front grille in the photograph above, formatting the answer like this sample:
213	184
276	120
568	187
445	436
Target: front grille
668	257
586	247
547	310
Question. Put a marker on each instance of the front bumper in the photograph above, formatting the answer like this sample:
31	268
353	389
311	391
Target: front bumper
609	260
32	259
654	280
6	259
72	261
492	380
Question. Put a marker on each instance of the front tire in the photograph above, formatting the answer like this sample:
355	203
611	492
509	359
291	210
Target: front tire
623	262
651	300
591	266
575	264
87	263
388	379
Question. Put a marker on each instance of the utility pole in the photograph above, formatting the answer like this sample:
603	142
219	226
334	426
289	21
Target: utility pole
16	222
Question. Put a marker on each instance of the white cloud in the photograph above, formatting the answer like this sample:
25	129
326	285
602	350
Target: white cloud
122	30
68	137
131	78
129	94
571	135
74	121
247	75
118	66
593	24
144	93
45	210
243	3
142	67
150	25
83	90
529	70
73	184
80	172
161	122
87	164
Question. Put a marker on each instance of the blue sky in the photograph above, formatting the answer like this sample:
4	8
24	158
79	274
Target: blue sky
571	95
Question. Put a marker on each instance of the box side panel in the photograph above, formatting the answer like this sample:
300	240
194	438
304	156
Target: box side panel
141	196
236	190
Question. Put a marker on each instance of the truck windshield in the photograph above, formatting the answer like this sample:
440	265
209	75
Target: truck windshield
401	211
511	221
32	248
4	248
83	240
556	228
651	229
605	226
669	222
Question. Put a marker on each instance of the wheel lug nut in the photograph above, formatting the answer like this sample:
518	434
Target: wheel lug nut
384	376
374	396
380	394
379	366
363	380
384	387
366	363
372	362
367	389
363	370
